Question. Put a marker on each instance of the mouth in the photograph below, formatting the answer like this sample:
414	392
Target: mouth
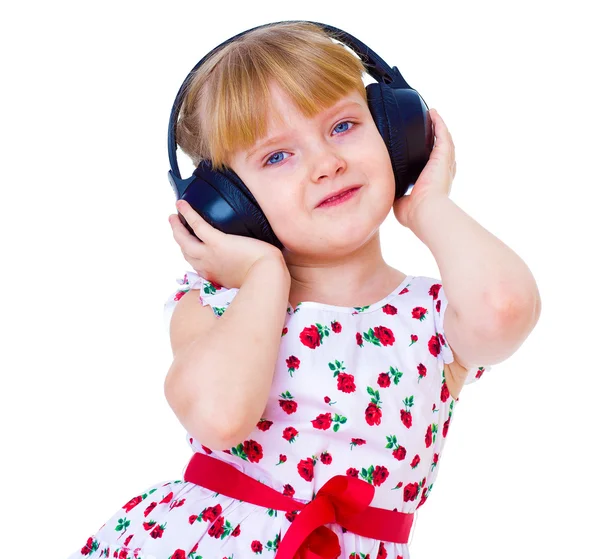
340	198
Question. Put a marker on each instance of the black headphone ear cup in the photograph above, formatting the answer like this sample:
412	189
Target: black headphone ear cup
223	200
405	126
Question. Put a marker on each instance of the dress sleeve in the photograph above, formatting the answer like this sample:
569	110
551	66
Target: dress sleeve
211	293
440	306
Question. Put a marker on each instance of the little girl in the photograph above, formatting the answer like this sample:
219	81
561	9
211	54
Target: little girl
316	383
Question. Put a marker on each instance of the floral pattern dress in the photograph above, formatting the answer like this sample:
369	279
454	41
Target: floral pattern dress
357	391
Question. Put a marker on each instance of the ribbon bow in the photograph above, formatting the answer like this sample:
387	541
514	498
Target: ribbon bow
340	500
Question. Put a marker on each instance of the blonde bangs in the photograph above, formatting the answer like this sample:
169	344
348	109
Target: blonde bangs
227	105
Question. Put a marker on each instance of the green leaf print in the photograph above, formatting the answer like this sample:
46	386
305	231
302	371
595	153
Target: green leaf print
371	338
272	513
391	441
395	374
375	395
219	310
273	545
337	367
209	288
122	524
367	475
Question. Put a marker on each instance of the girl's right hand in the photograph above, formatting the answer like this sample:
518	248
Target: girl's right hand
220	257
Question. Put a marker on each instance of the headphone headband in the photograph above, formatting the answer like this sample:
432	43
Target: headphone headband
376	67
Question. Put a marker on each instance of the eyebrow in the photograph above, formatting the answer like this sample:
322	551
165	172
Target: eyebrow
276	139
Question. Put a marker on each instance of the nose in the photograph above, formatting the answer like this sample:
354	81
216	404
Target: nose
327	163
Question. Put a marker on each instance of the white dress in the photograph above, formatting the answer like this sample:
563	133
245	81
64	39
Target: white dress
358	391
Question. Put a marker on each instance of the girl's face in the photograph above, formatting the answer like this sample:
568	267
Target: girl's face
310	159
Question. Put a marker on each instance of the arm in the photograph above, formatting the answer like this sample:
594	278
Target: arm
493	299
220	382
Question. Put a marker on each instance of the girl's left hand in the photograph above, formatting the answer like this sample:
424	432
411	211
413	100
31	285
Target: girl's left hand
436	177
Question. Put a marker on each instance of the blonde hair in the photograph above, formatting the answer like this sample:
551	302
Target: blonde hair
227	101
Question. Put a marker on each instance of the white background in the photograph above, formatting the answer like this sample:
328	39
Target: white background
89	258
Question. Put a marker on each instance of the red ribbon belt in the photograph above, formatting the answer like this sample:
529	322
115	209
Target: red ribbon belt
343	500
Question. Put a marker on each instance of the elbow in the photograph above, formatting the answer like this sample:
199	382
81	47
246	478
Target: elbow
203	424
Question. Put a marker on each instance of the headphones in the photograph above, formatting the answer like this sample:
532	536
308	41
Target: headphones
399	112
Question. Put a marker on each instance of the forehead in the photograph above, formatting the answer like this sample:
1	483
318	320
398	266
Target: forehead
281	106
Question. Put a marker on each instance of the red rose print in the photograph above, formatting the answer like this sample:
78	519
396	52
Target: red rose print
411	490
192	518
382	553
415	461
150	508
87	548
288	406
445	393
336	326
424	496
291	515
419	313
157	532
217	529
327	399
434	346
359	340
438	305
237	531
380	474
210	513
326	458
323	421
383	380
287	403
428	437
132	503
292	363
282	459
373	414
399	453
310	337
306	469
253	450
167	498
179	554
288	490
179	295
206	449
389	309
422	370
352	472
384	335
413	339
256	546
406	418
357	442
434	290
446	427
264	424
289	433
345	382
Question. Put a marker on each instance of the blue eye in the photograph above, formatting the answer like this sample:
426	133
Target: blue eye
270	162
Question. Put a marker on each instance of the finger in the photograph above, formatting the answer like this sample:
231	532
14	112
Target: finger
202	229
443	138
187	242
